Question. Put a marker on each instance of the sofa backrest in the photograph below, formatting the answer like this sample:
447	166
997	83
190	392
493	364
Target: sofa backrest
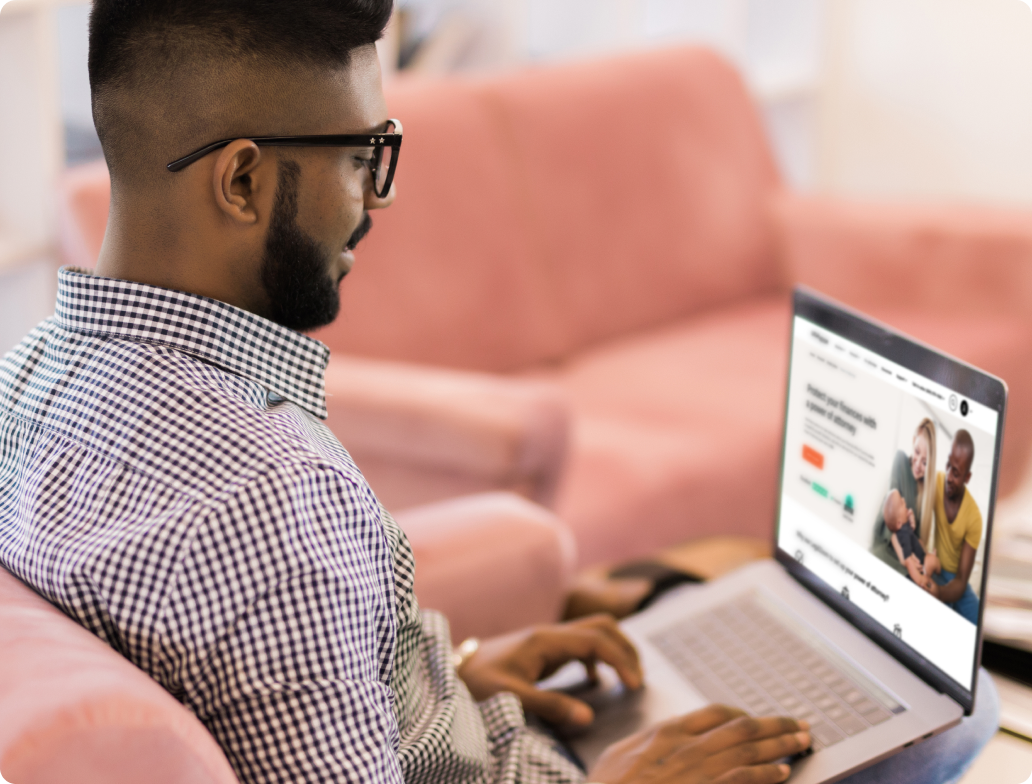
545	210
73	710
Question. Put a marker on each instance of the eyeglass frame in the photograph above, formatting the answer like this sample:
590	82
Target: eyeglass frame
376	140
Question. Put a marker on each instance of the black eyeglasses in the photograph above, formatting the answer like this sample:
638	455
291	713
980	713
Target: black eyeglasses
386	146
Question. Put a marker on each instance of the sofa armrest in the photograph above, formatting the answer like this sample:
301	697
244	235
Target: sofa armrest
889	256
491	562
73	709
422	434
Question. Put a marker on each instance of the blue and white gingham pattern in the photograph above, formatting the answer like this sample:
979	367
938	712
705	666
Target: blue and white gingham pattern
167	481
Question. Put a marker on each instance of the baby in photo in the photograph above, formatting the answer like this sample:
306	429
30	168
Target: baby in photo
905	541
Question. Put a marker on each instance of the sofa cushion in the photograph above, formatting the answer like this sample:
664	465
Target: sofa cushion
648	179
677	432
972	258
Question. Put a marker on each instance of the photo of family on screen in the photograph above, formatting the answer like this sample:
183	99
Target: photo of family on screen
929	525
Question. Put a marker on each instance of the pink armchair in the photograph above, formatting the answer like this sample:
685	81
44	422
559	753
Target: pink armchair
581	295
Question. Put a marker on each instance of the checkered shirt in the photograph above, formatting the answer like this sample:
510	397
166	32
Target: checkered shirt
167	481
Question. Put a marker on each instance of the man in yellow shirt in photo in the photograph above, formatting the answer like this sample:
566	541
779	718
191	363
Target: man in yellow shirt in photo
958	532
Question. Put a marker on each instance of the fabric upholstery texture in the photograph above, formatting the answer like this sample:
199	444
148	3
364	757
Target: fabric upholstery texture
427	433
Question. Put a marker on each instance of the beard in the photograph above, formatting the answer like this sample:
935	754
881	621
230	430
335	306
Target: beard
301	294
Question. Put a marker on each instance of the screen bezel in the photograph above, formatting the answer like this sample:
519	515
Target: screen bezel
952	373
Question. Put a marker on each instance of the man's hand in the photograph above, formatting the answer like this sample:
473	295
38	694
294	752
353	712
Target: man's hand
715	744
515	663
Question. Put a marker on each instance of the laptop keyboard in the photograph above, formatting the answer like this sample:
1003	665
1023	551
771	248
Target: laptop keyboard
742	654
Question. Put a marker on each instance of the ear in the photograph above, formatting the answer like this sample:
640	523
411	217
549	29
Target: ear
237	180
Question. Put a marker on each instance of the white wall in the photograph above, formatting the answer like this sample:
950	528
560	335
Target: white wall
26	298
929	99
31	158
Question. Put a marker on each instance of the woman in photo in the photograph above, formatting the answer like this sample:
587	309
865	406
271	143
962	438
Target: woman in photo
910	478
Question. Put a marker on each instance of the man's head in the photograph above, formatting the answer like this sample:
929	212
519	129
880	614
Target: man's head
958	465
267	229
894	511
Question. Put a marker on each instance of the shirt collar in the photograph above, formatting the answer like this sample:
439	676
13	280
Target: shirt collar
283	361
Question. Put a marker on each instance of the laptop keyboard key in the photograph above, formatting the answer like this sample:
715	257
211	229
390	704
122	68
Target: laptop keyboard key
850	724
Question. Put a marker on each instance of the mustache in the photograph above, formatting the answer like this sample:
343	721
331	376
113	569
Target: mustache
360	232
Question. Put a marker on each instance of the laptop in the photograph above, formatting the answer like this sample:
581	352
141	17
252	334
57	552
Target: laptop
833	629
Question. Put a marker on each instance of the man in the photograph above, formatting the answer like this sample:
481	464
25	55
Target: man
166	478
958	532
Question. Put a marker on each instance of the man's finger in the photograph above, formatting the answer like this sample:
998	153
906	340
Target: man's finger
562	644
553	706
607	625
761	751
748	729
701	721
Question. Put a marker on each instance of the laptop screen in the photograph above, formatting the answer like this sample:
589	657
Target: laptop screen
887	485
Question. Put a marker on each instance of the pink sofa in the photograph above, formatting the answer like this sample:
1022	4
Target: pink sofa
581	295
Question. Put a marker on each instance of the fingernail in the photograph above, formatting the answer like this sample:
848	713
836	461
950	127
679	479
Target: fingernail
804	725
784	769
803	738
580	714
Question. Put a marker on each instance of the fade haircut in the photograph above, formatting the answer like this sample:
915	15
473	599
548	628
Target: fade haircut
160	70
964	441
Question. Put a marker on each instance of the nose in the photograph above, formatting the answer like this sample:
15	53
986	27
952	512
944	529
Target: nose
374	202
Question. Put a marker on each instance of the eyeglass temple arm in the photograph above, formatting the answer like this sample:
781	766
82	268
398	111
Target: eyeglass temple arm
392	139
182	163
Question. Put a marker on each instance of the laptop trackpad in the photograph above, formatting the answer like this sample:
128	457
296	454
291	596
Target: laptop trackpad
619	711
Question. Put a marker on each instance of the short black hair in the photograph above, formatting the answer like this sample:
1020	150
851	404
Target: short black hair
137	47
964	441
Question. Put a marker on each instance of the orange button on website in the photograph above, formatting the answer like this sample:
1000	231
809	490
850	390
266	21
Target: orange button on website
811	455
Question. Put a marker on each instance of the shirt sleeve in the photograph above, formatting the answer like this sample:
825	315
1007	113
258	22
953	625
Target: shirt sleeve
279	631
973	534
